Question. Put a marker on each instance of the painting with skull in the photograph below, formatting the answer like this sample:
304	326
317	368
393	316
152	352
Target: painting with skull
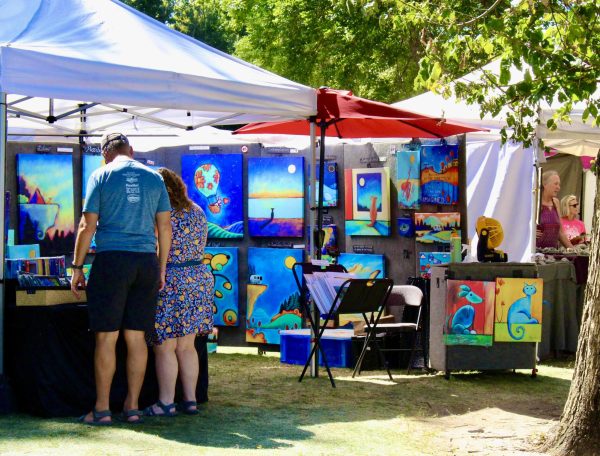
214	182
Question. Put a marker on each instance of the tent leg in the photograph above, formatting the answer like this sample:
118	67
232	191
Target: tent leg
314	362
3	134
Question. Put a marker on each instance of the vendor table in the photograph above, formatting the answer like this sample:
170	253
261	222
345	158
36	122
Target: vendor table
49	361
559	317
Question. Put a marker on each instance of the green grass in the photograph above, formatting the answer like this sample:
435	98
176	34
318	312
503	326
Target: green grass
257	406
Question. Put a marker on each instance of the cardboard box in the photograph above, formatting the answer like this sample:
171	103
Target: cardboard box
48	297
359	326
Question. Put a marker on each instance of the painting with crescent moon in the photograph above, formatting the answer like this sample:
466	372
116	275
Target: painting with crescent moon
273	297
276	196
214	182
46	204
367	205
223	263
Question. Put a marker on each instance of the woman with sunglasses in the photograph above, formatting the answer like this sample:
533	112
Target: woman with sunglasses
573	227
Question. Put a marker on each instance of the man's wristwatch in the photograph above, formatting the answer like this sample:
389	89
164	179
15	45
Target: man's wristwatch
75	266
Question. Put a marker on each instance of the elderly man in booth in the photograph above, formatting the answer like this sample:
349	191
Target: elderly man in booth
126	207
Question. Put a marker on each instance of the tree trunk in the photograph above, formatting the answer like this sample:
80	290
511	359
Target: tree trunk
579	430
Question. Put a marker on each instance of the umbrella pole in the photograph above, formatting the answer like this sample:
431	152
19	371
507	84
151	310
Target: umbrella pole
3	132
314	362
319	233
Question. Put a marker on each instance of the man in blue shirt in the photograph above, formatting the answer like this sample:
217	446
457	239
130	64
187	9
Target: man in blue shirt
126	207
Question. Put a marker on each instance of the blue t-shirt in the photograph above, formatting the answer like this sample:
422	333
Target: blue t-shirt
126	195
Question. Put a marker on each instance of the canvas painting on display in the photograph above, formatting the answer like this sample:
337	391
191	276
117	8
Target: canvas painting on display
518	315
273	298
46	202
330	185
439	174
363	265
214	182
223	263
469	313
429	259
90	163
367	208
436	227
408	174
276	196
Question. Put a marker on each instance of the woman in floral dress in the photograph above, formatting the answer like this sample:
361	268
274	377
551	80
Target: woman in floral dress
185	305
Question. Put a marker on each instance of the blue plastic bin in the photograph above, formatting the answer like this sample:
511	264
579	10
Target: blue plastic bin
295	347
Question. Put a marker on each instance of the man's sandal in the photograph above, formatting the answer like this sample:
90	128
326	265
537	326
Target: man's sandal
166	408
128	414
189	407
97	418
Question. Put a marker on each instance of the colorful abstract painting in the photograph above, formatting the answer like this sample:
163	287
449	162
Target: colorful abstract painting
90	164
46	205
518	315
223	262
436	227
429	259
439	174
273	297
408	174
330	185
363	265
276	196
469	313
367	209
214	182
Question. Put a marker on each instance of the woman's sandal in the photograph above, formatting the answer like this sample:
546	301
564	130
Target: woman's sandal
97	418
166	408
186	407
128	414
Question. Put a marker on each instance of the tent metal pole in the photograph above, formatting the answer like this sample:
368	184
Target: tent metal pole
319	241
314	363
3	131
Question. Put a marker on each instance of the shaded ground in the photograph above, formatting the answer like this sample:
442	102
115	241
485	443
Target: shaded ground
257	406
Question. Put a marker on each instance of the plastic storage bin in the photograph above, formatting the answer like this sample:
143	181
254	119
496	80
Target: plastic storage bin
337	344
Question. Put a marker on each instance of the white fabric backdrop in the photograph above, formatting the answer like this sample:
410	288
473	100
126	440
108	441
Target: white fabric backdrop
500	184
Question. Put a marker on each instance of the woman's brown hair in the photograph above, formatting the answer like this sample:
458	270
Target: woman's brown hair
176	189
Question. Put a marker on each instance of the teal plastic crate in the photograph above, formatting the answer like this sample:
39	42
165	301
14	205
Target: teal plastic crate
337	344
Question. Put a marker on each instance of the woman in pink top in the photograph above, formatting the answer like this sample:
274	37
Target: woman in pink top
573	227
549	230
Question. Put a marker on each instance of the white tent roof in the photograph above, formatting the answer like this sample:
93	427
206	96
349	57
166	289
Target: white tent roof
103	51
576	138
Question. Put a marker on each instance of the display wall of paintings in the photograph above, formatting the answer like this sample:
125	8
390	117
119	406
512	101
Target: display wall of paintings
276	196
408	174
367	205
273	298
439	174
363	265
436	227
214	182
46	202
429	259
518	315
469	313
330	185
223	263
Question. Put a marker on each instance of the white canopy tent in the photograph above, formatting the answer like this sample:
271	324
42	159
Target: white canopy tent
82	67
499	176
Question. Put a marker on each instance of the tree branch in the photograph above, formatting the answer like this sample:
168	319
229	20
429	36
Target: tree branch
481	16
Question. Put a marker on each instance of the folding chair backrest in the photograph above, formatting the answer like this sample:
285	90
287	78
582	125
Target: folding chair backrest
405	303
365	295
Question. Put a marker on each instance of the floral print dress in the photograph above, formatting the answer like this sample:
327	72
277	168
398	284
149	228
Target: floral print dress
185	305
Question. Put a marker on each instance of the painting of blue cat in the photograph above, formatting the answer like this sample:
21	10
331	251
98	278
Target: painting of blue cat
518	310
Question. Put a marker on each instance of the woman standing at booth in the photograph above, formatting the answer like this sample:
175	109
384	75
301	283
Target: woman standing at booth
185	305
573	226
549	229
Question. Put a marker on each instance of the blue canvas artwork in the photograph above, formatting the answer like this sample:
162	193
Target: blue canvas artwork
429	259
367	208
273	297
46	202
214	182
330	185
363	265
439	174
90	164
223	262
408	174
276	196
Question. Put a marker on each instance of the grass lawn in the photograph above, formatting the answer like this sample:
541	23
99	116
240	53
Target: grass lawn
257	406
